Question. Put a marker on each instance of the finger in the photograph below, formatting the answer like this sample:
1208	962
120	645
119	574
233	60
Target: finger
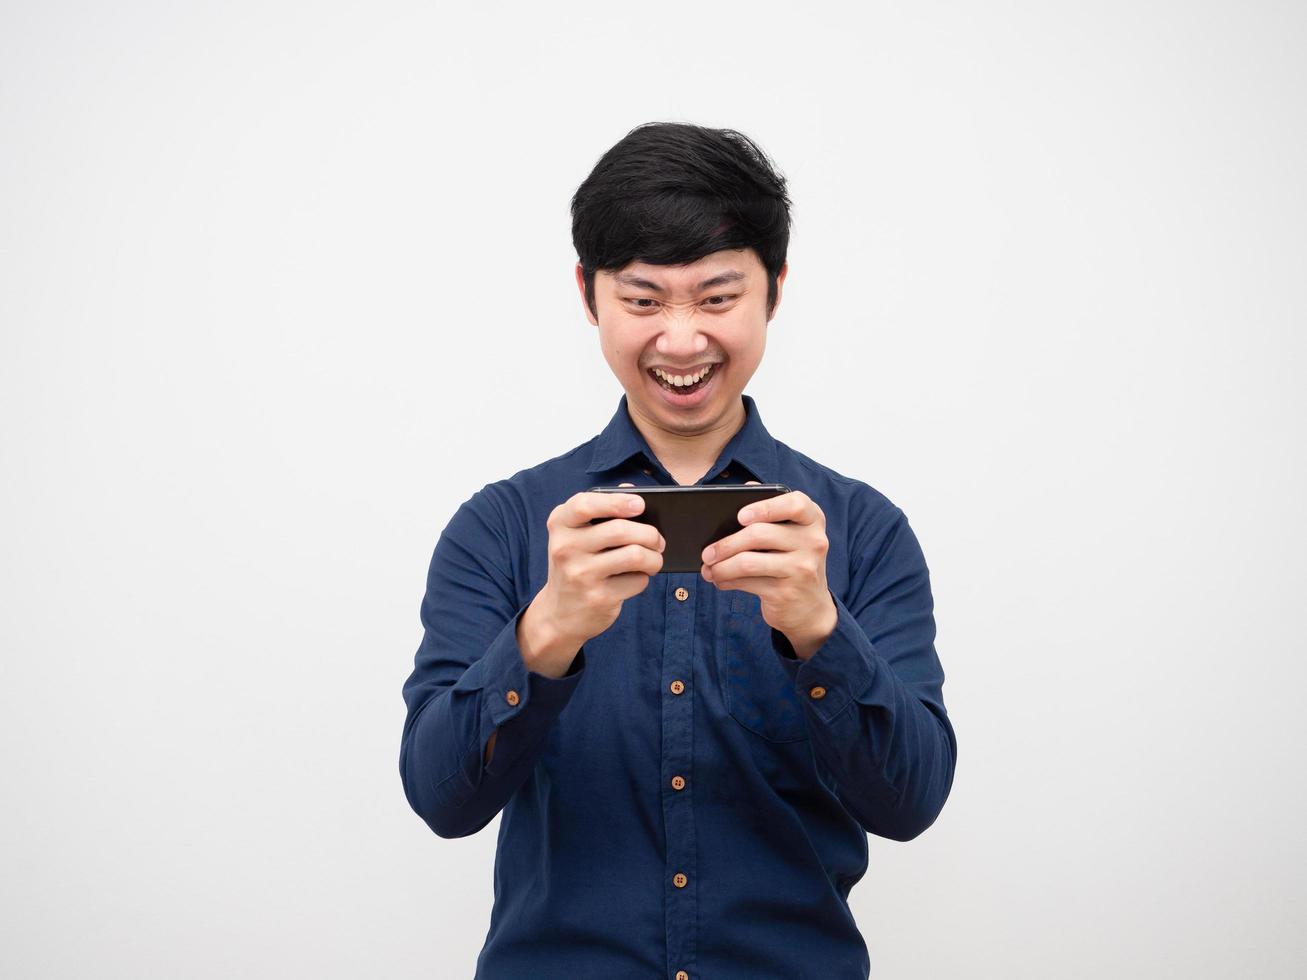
627	557
763	569
618	532
794	506
584	507
755	537
761	587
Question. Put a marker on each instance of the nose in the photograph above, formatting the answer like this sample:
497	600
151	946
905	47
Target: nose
681	341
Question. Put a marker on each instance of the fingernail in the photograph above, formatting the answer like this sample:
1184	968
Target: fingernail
710	553
635	505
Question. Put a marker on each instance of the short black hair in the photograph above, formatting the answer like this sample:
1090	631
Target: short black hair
670	193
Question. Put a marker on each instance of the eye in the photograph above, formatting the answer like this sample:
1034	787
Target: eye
724	300
638	300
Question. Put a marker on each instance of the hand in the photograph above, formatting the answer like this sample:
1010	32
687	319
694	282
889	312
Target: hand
780	556
594	568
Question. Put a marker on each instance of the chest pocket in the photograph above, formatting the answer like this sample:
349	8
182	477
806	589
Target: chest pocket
755	687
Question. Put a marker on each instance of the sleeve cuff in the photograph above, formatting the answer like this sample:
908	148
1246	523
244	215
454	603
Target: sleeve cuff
519	702
843	667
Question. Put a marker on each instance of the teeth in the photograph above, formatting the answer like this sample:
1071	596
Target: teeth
681	380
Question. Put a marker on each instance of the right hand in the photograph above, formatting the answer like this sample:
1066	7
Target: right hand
587	584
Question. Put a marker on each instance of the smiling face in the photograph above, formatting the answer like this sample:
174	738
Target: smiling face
677	321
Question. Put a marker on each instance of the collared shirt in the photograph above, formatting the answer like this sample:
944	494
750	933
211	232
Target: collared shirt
690	800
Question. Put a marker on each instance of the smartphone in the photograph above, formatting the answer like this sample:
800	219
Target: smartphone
691	518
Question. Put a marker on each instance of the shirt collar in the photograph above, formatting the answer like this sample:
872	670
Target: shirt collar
752	446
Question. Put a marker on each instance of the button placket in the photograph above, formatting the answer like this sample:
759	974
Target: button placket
679	638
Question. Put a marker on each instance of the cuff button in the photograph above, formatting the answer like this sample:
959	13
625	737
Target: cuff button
512	697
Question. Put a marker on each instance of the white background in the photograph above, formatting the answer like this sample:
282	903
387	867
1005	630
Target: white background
283	284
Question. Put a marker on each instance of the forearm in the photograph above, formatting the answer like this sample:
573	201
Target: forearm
892	759
453	776
891	755
544	650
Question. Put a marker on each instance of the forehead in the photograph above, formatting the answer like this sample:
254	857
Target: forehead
729	265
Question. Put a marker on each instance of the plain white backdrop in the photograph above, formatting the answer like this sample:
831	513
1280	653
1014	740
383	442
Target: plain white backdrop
282	284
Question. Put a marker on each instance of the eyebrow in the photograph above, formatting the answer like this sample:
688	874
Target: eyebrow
731	275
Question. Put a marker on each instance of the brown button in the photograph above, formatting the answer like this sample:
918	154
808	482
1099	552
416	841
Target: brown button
677	687
680	881
682	593
648	472
682	975
725	474
512	697
817	693
678	782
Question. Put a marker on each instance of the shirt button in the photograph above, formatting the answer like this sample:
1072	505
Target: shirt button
647	472
682	593
682	975
817	693
678	782
725	474
680	881
512	697
677	687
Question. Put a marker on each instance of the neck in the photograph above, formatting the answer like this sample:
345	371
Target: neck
687	454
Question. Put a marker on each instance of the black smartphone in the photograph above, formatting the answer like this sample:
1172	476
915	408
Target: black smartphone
691	518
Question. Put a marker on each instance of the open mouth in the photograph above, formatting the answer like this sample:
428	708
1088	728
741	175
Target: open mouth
684	393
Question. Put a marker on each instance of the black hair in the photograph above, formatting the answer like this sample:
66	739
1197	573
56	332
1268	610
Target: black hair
670	193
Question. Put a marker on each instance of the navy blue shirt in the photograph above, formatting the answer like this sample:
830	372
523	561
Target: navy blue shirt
690	800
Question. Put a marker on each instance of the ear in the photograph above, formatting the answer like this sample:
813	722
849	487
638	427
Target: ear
580	285
780	288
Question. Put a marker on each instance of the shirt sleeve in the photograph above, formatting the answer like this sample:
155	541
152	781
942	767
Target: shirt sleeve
880	725
469	679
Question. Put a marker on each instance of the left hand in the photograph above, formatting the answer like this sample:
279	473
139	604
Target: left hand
790	576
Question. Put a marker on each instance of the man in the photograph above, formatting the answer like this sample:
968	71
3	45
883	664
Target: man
688	764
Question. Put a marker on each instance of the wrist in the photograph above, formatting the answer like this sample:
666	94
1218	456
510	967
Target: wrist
810	641
545	649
